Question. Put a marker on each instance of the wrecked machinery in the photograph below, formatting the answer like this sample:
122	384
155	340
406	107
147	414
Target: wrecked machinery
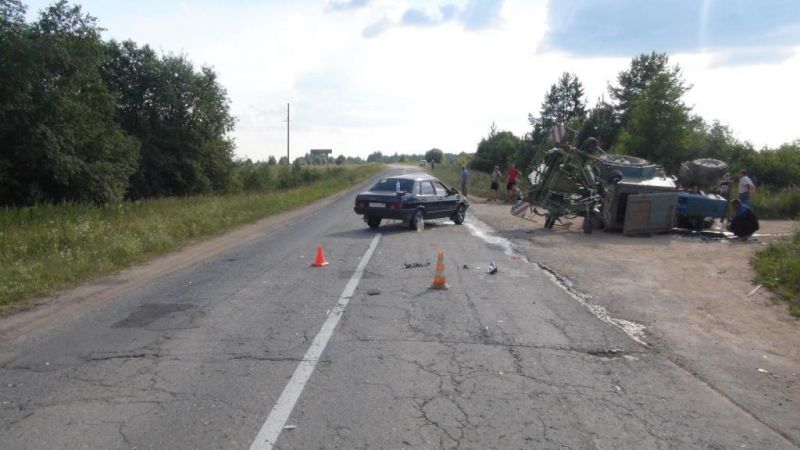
615	192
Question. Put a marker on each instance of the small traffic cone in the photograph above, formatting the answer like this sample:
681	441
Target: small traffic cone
438	279
319	261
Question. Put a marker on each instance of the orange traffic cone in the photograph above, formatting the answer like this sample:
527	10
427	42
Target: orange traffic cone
319	261
438	279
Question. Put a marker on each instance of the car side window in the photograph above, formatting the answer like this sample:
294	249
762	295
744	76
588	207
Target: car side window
427	188
440	188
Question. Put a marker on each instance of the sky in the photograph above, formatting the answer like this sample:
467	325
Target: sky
406	76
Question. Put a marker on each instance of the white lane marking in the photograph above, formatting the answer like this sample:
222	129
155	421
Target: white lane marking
484	232
277	418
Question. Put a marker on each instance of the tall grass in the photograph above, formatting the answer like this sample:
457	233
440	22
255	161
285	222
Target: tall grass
777	204
46	248
479	182
778	267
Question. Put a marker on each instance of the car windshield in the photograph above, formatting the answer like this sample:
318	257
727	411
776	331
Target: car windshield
390	184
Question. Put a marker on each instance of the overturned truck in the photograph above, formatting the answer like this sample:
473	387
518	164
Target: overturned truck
617	193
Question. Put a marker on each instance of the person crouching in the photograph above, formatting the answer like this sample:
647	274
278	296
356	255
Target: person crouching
744	222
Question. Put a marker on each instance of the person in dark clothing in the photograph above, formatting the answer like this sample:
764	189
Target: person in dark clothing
724	189
744	222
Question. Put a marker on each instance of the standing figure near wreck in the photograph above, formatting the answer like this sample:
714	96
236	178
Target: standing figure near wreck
513	174
746	187
496	176
464	179
724	189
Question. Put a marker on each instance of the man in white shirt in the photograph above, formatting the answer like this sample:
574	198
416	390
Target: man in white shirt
746	187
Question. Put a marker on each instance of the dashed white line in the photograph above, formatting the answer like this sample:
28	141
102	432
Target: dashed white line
268	435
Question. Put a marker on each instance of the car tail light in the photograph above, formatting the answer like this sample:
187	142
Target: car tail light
396	205
361	203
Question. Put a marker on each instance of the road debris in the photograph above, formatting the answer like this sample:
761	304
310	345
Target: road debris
374	292
492	269
290	427
465	267
416	265
762	370
755	290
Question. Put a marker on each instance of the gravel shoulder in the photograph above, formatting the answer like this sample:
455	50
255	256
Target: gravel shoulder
694	296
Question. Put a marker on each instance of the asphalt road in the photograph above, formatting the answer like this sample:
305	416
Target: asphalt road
253	348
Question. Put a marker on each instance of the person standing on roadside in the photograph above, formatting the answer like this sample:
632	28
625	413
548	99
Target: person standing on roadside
496	176
746	187
724	189
513	174
464	179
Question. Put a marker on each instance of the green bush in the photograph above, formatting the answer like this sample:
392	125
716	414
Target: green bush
778	267
777	204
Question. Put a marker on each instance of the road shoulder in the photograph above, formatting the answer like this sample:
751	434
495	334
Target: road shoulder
695	298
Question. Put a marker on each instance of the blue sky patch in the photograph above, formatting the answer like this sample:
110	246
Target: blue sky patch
630	27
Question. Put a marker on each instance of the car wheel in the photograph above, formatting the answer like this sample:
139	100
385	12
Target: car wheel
373	222
419	216
460	214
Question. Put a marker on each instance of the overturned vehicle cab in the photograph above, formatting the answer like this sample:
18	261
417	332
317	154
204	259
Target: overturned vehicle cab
616	192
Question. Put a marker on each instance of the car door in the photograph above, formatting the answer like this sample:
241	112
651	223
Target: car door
427	197
447	202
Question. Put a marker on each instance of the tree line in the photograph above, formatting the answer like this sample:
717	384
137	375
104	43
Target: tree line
88	120
645	117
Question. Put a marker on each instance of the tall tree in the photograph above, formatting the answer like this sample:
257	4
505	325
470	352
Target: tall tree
59	140
634	82
658	127
602	124
180	115
498	148
563	103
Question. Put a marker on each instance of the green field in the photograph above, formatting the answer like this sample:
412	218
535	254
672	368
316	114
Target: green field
479	181
47	248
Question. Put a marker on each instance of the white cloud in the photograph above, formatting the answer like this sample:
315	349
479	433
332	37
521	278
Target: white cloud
415	87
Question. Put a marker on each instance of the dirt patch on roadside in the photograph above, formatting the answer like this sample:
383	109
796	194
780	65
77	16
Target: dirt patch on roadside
694	296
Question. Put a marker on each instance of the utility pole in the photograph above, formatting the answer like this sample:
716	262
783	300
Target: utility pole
288	160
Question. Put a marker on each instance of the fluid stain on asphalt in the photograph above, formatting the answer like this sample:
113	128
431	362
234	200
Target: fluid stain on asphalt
484	232
150	312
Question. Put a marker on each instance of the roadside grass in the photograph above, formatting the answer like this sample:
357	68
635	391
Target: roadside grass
778	267
782	204
46	248
479	182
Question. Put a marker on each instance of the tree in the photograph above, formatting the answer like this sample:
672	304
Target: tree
181	117
658	127
634	82
57	130
498	148
340	160
602	124
434	154
375	157
271	161
563	103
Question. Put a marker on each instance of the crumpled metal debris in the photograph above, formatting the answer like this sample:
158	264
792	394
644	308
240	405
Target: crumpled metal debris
492	269
416	265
